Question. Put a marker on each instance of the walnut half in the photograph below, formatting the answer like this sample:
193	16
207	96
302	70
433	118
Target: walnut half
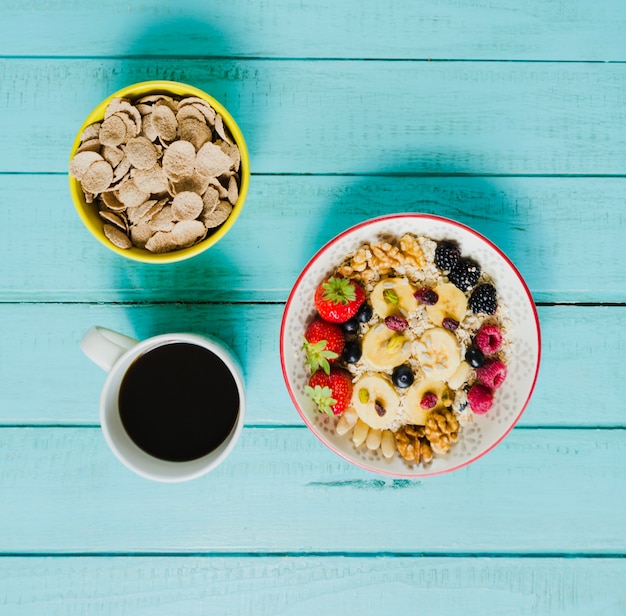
442	430
413	445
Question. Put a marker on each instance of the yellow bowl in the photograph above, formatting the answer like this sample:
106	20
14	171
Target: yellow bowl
89	213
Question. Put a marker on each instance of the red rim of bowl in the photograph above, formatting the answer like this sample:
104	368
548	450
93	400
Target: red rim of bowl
323	249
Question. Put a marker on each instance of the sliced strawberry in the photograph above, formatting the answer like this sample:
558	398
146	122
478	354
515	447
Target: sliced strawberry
338	299
323	344
331	392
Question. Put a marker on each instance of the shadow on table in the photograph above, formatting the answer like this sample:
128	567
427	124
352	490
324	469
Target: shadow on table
190	49
497	207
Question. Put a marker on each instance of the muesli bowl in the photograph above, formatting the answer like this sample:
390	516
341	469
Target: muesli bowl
145	166
476	432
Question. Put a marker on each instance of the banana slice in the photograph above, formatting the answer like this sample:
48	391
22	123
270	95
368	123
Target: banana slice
393	296
439	353
415	413
384	348
375	401
462	375
452	303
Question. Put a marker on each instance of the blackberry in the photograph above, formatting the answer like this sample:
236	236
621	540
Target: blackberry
483	299
447	256
465	274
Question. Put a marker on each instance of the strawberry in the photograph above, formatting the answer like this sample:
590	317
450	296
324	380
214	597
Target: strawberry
338	299
331	392
323	344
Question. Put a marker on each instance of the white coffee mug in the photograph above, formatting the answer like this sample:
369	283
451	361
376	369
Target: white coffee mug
116	353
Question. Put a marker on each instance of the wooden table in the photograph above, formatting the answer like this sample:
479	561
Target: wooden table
509	117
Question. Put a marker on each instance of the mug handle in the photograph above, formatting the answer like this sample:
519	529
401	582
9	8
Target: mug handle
104	346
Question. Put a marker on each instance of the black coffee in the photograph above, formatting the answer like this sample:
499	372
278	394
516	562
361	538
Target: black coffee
178	401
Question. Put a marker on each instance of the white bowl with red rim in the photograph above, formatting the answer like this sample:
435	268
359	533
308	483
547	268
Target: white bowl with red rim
485	431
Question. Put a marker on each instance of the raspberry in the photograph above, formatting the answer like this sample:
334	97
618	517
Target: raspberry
483	299
426	296
429	400
465	274
480	399
489	339
492	373
446	255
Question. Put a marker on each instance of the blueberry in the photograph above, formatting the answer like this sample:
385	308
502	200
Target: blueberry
474	357
365	313
402	376
352	352
351	326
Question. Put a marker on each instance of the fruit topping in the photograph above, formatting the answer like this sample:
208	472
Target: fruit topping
418	355
338	299
364	313
351	326
417	414
492	373
451	303
447	255
439	353
384	348
450	324
331	392
381	411
379	406
474	357
323	344
393	296
402	376
429	400
480	398
465	274
483	299
461	376
489	339
426	296
352	352
396	323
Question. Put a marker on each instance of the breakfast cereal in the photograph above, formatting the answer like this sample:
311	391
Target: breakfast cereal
409	343
153	164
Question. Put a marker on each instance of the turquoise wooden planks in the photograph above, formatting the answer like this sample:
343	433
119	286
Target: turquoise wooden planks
310	585
45	379
349	117
533	30
546	492
531	219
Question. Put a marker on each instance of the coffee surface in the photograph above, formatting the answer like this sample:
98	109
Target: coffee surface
178	401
